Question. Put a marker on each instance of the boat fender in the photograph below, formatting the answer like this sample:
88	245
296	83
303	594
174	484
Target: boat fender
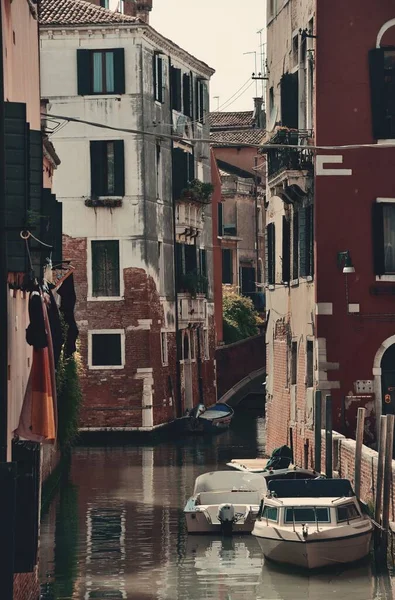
305	530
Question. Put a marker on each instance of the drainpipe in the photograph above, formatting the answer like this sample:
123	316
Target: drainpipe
256	225
3	272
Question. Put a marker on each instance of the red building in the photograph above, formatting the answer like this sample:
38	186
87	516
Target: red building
331	216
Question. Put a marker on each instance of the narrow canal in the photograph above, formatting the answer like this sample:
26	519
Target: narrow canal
116	531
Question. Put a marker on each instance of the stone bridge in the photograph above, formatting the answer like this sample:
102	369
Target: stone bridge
241	369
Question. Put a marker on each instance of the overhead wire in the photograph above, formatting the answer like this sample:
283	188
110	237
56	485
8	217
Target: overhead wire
233	95
239	96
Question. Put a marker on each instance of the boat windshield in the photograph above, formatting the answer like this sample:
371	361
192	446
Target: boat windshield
313	514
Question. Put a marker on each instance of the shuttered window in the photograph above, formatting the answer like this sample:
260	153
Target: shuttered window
295	245
107	168
105	268
310	364
158	77
227	265
190	258
175	88
35	193
383	221
187	94
303	243
286	251
290	100
382	86
183	171
203	262
271	254
101	71
106	350
201	100
52	224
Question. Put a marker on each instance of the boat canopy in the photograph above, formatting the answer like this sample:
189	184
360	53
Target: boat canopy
311	488
217	481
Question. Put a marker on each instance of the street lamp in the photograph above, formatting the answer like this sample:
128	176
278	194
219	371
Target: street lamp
344	260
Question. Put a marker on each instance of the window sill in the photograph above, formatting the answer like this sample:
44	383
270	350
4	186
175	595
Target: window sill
102	96
271	287
309	278
294	282
105	298
386	141
385	277
105	368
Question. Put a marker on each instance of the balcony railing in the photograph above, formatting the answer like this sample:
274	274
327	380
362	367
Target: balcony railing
288	159
192	283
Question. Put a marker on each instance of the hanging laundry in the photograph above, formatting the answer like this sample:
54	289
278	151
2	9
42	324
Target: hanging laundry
55	326
36	335
68	299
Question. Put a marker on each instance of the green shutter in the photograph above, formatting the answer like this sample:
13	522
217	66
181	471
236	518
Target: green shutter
286	251
377	94
191	167
35	194
186	93
119	70
175	88
303	243
154	75
203	262
220	219
84	72
57	230
295	244
271	254
160	79
119	158
16	143
290	100
378	238
179	172
227	266
97	152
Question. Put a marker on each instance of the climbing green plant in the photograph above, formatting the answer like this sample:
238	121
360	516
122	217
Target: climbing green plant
69	400
240	319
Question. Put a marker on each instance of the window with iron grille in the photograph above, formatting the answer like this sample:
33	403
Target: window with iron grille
105	268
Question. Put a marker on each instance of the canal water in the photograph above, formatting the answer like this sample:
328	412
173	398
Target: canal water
116	531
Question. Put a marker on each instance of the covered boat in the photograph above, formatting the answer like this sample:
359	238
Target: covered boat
224	502
215	419
313	523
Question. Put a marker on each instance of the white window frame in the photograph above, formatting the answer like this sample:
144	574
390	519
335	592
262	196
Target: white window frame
93	332
90	297
164	350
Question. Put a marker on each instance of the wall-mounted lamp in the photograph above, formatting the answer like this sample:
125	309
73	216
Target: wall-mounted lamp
344	260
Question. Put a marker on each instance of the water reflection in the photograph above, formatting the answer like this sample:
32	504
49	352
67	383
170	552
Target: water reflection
119	533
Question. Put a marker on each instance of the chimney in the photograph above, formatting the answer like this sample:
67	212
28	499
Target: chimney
259	115
143	9
129	8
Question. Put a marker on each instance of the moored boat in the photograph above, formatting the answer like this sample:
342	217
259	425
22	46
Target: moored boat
215	419
312	523
224	502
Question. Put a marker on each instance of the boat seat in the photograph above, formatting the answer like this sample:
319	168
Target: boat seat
207	498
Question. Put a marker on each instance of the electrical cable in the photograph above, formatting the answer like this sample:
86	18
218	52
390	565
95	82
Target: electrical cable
233	95
239	96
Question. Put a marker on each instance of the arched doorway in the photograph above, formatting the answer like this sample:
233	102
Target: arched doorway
388	381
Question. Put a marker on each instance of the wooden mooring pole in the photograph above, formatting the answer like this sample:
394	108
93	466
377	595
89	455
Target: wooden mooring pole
358	450
389	444
317	431
380	472
328	436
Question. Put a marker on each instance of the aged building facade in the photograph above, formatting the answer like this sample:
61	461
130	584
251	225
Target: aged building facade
329	227
137	215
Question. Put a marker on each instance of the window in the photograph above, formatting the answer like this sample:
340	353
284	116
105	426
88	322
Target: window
382	83
295	245
286	256
201	100
175	89
227	265
310	364
159	172
270	242
101	71
290	100
230	218
383	221
295	50
306	241
105	268
106	349
220	219
347	513
164	349
270	513
307	515
158	77
104	3
107	168
294	362
183	171
187	94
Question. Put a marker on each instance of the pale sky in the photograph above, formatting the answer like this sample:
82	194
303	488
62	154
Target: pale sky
218	32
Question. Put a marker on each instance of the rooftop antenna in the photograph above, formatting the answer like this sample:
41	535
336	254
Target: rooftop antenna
255	71
262	45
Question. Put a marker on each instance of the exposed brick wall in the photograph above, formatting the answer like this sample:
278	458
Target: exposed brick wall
26	586
236	361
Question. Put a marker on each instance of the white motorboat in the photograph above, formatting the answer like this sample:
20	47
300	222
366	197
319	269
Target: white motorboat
225	502
259	465
312	523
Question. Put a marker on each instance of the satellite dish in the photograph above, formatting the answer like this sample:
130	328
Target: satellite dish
272	119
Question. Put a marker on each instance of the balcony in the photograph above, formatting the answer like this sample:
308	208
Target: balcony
288	159
192	283
191	310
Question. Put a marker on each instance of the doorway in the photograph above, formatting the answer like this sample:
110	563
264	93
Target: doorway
388	381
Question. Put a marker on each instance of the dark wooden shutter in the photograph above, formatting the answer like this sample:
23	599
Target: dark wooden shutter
286	251
35	194
179	172
7	525
205	102
27	457
186	93
180	260
57	230
295	245
227	266
160	79
175	88
119	160
98	168
196	98
155	75
378	238
290	100
119	70
203	262
191	166
16	142
271	250
220	219
84	72
377	93
310	240
303	243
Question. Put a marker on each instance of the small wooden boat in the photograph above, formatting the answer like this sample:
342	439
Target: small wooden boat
312	523
224	502
215	419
